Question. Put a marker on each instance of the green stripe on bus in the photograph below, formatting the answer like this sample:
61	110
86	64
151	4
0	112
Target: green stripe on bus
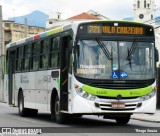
55	31
115	93
58	82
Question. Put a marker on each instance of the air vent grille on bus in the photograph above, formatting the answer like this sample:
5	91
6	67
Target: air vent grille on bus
108	106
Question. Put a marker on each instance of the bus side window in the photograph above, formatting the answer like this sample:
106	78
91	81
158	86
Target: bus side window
44	53
54	54
35	56
19	56
27	53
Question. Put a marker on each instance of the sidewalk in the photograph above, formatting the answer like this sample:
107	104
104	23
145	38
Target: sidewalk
147	117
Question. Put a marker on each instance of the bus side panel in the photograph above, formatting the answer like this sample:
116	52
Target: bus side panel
41	81
17	84
54	84
29	90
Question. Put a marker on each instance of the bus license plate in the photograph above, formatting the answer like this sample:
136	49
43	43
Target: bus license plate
118	105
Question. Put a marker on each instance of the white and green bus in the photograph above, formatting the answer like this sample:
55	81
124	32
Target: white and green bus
104	68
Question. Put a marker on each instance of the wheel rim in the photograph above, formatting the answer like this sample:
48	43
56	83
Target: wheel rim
57	110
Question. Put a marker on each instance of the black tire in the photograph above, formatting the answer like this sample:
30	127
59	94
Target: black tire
56	115
122	120
21	109
78	115
25	112
32	112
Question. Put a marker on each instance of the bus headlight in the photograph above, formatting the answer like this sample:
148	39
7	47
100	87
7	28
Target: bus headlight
84	94
79	90
148	96
92	98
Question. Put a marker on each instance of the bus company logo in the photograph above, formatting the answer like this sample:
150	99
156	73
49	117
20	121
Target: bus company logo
24	79
20	131
6	131
119	97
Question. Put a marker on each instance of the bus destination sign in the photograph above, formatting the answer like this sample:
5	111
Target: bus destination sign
122	30
114	28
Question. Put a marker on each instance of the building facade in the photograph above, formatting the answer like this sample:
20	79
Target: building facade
144	11
11	33
56	21
53	18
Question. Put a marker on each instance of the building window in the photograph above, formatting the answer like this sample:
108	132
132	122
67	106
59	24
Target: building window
7	24
58	16
145	4
50	22
138	4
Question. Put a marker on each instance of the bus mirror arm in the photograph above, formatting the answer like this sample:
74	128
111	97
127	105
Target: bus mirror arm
70	46
77	48
156	55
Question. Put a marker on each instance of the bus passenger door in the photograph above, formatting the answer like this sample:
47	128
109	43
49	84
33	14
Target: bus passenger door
64	66
11	72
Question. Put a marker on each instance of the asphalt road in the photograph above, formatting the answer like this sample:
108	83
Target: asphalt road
85	126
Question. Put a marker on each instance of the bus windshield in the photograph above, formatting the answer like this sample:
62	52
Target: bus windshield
115	60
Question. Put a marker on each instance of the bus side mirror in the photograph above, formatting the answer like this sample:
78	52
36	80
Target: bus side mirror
156	55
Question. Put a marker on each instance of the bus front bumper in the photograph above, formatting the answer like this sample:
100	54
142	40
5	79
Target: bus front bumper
102	106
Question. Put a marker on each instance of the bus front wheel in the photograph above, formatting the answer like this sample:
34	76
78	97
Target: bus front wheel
59	117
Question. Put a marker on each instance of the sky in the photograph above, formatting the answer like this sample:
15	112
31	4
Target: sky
113	9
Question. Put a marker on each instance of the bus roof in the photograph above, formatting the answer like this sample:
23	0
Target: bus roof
38	36
59	29
70	25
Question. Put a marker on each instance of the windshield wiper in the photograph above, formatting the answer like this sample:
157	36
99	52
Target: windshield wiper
132	49
131	52
103	47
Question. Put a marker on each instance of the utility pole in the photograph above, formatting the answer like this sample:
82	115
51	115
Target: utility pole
26	27
1	57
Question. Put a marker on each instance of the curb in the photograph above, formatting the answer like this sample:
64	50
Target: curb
147	119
